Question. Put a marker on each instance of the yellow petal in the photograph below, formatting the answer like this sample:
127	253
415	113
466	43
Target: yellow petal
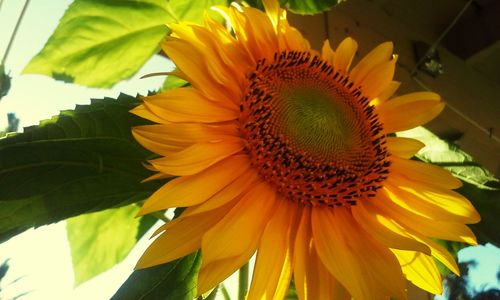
410	115
420	269
387	93
203	40
292	39
194	189
408	111
381	54
363	266
188	105
244	223
148	141
426	226
143	112
273	264
327	286
167	138
198	157
436	250
272	8
425	173
192	63
284	279
312	279
435	203
303	271
255	31
327	52
216	272
233	190
289	38
156	177
378	79
403	147
344	54
232	55
180	239
411	98
222	57
440	253
385	230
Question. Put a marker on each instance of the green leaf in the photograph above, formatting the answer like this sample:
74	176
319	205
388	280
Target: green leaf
173	82
102	239
193	10
175	280
81	161
301	7
449	156
292	292
100	42
487	203
309	7
145	223
452	248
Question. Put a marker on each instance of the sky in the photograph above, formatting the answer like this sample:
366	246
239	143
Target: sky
41	258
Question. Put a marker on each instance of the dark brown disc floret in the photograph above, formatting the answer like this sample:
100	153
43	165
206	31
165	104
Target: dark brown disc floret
311	133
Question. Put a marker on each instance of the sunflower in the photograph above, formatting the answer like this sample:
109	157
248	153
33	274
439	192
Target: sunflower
287	152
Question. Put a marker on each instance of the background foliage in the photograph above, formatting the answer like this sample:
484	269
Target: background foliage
99	43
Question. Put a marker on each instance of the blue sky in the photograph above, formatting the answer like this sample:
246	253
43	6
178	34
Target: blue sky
36	97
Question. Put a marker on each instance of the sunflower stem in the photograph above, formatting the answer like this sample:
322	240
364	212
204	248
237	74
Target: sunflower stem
14	33
161	216
224	292
212	294
243	282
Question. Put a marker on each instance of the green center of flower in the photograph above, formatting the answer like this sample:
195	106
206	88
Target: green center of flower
315	122
311	134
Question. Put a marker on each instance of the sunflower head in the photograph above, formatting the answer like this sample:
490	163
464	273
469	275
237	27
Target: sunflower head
289	153
311	133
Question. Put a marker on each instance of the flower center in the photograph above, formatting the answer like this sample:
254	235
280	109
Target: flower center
313	122
310	133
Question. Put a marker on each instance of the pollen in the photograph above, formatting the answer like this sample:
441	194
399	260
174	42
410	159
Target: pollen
311	133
